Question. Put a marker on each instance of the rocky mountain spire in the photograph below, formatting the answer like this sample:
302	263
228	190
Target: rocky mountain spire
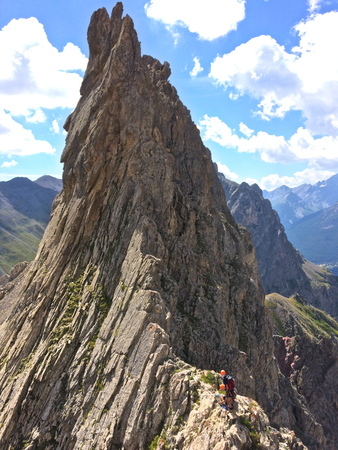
141	267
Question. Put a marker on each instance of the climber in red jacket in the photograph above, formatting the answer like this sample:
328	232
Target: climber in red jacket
228	385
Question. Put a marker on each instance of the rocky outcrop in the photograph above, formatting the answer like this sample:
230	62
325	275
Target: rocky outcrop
8	283
197	421
140	264
13	273
282	268
306	348
142	271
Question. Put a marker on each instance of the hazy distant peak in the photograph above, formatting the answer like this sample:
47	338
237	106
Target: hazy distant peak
50	182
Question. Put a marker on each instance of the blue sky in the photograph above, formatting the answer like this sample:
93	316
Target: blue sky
260	78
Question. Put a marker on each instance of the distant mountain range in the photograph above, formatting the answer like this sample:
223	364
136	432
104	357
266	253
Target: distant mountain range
49	182
292	204
309	214
281	267
316	236
25	208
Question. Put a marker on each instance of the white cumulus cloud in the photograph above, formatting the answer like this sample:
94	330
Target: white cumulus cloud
36	116
244	129
209	20
7	164
16	140
227	172
197	68
55	127
314	5
320	153
307	176
34	76
272	148
214	129
305	79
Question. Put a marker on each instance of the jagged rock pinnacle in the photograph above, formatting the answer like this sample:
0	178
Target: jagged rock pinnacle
141	266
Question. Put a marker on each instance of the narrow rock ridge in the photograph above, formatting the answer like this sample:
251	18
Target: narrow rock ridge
141	266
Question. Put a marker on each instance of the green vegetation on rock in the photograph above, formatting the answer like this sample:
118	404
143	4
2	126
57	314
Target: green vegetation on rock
208	377
311	320
254	435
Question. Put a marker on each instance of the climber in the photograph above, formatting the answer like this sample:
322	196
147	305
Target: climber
222	401
221	398
228	385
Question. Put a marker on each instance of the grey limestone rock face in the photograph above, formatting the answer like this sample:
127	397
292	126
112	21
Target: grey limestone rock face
141	267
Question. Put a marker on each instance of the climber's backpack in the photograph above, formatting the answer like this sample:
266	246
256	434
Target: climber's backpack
229	382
